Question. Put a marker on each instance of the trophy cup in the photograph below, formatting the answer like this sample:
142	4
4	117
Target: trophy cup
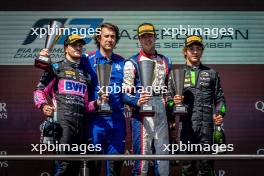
178	81
43	62
103	76
146	75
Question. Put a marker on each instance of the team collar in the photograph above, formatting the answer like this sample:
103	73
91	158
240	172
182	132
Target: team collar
142	53
194	67
72	64
98	54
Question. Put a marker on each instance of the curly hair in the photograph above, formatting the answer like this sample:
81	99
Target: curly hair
109	26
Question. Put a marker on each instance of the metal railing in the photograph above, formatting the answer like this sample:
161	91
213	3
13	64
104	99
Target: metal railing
131	157
84	170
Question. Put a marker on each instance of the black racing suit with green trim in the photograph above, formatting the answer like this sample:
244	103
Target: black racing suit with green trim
203	96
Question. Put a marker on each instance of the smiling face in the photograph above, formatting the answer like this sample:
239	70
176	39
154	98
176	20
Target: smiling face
193	54
107	39
74	50
147	42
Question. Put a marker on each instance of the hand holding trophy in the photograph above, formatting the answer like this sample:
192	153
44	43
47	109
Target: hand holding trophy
103	76
44	61
178	81
146	75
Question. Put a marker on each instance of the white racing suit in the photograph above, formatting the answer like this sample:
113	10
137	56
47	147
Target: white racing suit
149	133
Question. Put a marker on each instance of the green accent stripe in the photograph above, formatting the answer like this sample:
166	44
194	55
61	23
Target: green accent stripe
223	109
193	77
170	104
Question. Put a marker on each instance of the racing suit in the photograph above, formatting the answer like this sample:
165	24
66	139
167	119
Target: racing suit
147	129
109	130
66	83
203	96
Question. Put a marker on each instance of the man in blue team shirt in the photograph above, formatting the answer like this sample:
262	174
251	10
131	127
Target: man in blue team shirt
107	129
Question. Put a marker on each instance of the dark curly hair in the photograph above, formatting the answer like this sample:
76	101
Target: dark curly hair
109	26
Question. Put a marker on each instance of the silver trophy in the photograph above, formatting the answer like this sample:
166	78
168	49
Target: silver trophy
146	75
103	76
178	76
56	27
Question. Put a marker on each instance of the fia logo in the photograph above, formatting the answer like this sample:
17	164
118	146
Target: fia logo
41	23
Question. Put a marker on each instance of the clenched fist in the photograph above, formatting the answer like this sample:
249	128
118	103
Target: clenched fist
177	99
48	110
218	119
44	52
144	97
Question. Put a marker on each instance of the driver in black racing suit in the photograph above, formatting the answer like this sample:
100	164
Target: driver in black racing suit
66	84
205	100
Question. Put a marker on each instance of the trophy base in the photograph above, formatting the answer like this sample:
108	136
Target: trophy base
104	109
180	109
42	63
147	110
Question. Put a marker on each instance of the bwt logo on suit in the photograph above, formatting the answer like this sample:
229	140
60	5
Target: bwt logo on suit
3	111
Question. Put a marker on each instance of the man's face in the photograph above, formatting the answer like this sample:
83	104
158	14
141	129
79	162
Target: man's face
147	42
74	50
194	53
107	39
